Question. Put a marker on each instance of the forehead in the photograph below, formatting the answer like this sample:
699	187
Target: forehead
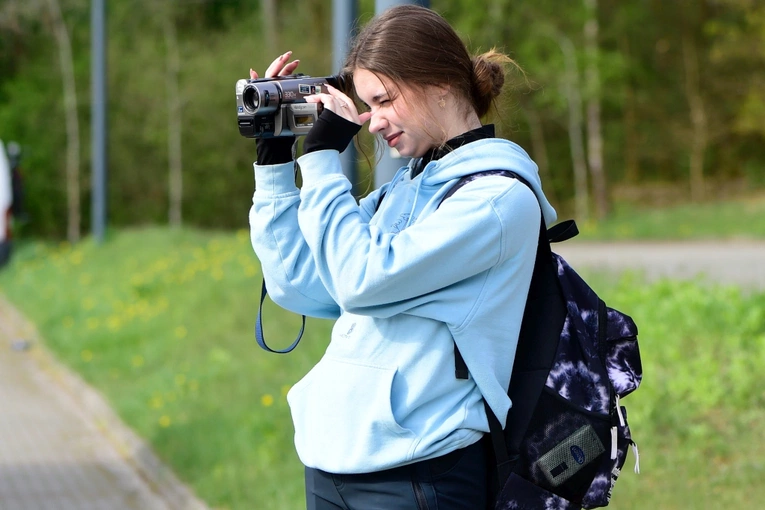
371	87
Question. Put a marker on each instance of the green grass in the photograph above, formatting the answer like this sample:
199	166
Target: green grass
161	322
697	416
736	219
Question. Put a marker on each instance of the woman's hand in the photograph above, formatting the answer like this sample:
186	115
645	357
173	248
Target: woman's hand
340	104
278	67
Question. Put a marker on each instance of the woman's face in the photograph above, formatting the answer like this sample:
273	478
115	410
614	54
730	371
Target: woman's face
407	124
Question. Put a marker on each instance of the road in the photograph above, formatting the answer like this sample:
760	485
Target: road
737	262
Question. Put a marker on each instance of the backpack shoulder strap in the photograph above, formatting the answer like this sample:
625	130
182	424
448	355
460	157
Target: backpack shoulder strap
543	318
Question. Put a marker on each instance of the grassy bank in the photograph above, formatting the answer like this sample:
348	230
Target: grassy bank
734	219
161	321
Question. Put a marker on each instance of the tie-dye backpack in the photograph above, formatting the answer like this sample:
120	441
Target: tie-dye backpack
567	436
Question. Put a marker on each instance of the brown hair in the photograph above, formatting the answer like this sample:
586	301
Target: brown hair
415	47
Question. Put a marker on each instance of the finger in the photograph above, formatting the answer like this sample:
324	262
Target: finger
364	117
277	65
253	75
289	68
330	103
337	94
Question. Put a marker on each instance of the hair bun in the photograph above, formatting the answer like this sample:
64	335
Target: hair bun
489	78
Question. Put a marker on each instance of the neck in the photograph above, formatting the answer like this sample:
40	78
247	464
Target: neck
455	121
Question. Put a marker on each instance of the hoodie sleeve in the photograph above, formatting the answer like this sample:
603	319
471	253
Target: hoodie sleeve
369	272
286	261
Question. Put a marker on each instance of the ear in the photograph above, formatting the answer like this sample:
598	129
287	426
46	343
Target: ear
442	90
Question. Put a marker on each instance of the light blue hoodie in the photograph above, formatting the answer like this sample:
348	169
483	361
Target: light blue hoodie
405	283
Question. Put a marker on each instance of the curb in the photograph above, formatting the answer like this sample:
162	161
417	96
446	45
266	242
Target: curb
94	407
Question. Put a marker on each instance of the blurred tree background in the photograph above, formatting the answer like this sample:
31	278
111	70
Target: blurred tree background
644	101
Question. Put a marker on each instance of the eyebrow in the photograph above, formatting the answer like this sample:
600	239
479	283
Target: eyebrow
377	98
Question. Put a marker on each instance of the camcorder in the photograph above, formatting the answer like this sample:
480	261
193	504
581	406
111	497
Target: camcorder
274	107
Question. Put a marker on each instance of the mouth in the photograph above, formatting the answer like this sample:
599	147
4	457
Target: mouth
393	139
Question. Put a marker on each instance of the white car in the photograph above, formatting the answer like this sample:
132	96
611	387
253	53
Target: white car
6	199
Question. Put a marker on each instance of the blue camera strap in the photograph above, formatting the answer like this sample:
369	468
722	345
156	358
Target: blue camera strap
259	327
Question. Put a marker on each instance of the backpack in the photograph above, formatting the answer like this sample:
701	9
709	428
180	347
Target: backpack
566	437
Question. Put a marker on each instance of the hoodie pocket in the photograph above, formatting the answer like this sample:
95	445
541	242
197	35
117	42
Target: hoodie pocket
343	418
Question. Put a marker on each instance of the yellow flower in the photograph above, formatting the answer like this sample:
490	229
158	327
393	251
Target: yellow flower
86	356
164	421
156	402
242	235
267	400
137	361
180	332
114	322
92	323
76	258
180	379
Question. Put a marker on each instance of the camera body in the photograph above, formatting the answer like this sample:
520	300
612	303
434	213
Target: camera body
276	107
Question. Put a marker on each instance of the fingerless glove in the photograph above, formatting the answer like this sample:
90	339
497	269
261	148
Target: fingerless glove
274	151
330	132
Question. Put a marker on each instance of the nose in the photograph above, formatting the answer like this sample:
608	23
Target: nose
376	122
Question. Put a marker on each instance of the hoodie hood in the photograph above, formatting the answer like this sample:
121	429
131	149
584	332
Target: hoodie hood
483	155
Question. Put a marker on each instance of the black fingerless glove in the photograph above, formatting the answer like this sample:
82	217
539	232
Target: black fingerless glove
274	151
330	132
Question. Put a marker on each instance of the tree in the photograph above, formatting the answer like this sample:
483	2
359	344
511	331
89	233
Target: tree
174	123
13	12
698	117
594	129
571	90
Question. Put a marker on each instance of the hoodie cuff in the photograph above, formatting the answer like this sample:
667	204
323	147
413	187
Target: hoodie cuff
319	165
273	180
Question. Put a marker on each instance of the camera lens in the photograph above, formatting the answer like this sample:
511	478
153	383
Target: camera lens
251	99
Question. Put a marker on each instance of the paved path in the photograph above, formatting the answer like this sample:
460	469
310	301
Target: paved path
739	263
61	447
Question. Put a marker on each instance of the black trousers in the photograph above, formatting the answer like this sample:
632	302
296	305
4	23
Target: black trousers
456	481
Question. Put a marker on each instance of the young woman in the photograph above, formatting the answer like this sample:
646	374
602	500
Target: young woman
381	422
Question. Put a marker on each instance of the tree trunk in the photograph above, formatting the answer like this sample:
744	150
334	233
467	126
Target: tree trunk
573	97
631	166
72	126
269	27
539	148
174	124
594	128
699	128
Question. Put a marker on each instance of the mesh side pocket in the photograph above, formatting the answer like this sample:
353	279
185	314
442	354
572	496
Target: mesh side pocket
565	445
599	493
